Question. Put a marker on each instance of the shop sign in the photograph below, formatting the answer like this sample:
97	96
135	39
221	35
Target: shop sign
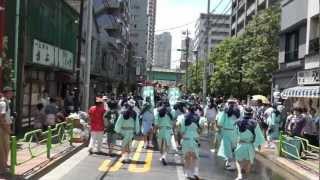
48	55
43	53
308	77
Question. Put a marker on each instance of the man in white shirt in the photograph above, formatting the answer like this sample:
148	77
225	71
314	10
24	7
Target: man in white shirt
5	128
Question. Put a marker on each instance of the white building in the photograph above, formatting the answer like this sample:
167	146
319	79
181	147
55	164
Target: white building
162	50
219	30
139	33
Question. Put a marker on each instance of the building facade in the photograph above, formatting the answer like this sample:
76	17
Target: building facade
139	34
46	57
152	8
219	30
162	50
244	10
299	59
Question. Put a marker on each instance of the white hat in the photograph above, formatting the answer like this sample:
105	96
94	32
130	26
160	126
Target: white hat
74	116
104	97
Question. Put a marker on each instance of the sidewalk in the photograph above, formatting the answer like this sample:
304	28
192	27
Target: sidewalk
41	164
298	168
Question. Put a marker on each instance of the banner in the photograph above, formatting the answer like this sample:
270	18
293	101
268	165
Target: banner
173	94
148	91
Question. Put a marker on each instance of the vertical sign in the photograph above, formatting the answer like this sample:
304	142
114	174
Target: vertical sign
173	94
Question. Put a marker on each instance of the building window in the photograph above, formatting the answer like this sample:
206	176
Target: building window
292	46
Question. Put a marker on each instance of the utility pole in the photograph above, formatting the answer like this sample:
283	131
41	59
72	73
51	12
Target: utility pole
205	73
88	57
187	59
77	93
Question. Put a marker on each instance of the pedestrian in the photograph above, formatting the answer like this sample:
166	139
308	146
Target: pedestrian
127	126
249	137
96	123
110	120
210	113
189	129
69	102
163	127
295	123
274	122
147	119
51	111
180	111
310	129
39	117
226	125
5	128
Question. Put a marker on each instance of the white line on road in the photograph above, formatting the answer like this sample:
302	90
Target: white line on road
180	172
65	167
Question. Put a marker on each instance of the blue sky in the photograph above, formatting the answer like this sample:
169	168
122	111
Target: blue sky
173	13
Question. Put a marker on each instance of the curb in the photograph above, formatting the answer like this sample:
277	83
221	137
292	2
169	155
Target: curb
281	168
55	163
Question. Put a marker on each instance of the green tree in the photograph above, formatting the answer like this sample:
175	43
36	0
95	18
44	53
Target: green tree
244	64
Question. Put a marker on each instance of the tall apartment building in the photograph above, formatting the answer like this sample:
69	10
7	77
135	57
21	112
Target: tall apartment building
299	49
244	10
219	30
162	50
152	7
139	34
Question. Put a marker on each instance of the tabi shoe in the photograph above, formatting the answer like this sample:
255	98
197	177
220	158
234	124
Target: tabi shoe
164	162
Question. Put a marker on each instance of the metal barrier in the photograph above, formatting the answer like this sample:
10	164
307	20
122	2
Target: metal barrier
297	153
63	132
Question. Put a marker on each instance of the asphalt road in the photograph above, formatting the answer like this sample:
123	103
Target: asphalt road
146	165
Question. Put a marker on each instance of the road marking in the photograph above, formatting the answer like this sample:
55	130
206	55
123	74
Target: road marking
180	171
60	171
148	161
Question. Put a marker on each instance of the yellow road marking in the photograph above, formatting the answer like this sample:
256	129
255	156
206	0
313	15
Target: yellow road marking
105	166
148	161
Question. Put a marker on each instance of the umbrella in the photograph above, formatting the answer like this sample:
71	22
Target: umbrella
262	98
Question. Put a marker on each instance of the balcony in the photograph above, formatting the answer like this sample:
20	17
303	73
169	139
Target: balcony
108	6
314	46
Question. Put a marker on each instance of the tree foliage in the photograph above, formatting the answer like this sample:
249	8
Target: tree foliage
244	64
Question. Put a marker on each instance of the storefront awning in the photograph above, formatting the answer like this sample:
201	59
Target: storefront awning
302	91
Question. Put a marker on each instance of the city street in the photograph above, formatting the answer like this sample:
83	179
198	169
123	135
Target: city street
146	165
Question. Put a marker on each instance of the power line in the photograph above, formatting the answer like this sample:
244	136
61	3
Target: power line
183	25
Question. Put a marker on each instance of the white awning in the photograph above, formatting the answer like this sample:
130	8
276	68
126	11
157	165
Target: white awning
302	91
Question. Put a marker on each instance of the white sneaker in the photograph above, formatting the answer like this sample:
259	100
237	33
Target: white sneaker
231	167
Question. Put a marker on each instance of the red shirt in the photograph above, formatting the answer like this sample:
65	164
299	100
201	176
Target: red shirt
96	118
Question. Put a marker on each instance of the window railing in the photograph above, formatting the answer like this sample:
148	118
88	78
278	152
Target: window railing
314	46
291	55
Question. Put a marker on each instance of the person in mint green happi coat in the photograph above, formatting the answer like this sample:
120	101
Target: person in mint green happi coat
249	138
274	123
190	127
127	126
164	123
227	128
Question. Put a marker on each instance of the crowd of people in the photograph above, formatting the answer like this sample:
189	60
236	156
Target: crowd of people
236	129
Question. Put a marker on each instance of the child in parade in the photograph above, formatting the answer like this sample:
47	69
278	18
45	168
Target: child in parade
147	117
249	137
191	124
110	120
226	125
274	124
127	126
163	127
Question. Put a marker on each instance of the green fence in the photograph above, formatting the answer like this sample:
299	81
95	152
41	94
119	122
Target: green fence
298	148
53	137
